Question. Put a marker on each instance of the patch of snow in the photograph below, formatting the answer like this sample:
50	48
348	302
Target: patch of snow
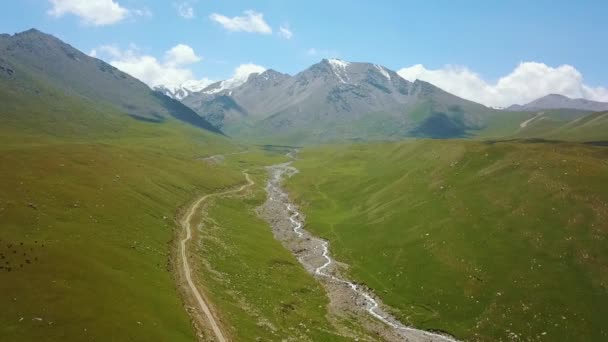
196	86
338	63
383	71
339	68
180	91
240	77
216	89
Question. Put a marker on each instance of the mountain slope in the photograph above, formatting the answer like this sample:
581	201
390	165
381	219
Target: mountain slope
455	234
337	100
36	60
566	125
555	101
88	194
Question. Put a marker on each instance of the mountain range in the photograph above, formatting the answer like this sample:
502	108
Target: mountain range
556	101
335	100
34	64
331	101
180	91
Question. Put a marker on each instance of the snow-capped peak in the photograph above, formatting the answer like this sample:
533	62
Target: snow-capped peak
196	86
180	91
383	71
339	66
338	63
241	75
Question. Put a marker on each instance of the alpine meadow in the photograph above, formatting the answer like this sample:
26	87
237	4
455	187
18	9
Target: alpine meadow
314	171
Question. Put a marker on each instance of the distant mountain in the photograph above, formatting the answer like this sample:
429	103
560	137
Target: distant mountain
336	100
179	92
33	62
555	101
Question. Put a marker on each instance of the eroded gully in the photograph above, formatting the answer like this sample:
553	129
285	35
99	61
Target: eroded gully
347	299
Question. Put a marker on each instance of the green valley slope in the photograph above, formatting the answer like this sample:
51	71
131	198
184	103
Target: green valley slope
90	190
485	241
88	199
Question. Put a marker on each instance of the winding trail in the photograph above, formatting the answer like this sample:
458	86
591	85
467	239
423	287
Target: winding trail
525	123
187	224
313	253
218	156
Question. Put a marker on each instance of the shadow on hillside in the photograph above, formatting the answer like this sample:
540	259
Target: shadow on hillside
603	143
524	141
181	112
441	126
155	119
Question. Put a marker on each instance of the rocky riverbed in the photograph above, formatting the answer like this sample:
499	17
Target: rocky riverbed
348	300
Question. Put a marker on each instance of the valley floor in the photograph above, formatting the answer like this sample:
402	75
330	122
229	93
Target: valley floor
484	241
487	241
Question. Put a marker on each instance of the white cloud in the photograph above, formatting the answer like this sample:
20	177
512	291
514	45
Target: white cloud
93	12
143	12
251	21
240	76
172	71
185	10
322	53
285	32
242	72
527	82
181	54
109	50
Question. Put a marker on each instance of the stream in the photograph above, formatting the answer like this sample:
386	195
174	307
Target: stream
347	298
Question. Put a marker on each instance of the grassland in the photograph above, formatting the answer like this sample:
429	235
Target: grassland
486	241
481	240
588	127
556	124
88	197
85	240
258	287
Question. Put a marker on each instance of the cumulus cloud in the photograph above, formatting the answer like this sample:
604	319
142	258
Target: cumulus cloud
109	50
527	82
181	54
171	71
285	32
94	12
241	74
251	21
185	10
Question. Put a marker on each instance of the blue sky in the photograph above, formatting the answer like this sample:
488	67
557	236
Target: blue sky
486	38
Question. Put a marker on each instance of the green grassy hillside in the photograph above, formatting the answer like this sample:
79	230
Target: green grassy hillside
486	241
88	197
581	127
89	194
32	62
555	124
259	288
85	233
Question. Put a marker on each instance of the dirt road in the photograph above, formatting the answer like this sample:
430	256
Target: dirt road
187	224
